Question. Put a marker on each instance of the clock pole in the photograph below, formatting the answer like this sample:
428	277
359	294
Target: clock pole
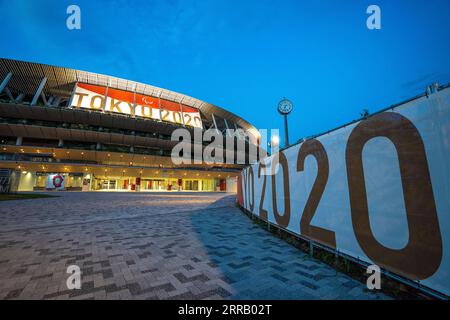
284	108
286	131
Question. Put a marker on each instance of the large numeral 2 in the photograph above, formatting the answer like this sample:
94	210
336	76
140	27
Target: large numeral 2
315	148
262	212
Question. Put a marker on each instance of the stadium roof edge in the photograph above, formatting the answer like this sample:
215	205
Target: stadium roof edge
61	79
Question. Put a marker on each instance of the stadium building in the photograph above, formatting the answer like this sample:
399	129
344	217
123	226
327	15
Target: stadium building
65	129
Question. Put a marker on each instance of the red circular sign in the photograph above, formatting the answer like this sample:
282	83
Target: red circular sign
58	181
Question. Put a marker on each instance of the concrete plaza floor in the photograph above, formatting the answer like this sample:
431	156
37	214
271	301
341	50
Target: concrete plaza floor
154	246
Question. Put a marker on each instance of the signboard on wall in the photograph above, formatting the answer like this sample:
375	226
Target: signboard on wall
377	190
55	182
113	100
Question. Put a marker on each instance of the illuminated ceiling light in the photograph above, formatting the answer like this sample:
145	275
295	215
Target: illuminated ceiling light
24	172
18	167
82	153
109	155
38	151
85	169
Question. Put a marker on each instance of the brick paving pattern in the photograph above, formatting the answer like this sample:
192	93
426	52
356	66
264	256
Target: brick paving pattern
154	246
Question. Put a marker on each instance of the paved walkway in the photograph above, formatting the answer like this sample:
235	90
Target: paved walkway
154	246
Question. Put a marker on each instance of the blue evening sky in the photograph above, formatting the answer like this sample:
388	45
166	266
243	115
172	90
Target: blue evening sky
245	55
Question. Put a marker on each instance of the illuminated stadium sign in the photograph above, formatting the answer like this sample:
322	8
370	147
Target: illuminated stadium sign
93	97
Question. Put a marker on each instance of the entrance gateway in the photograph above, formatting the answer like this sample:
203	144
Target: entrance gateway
42	181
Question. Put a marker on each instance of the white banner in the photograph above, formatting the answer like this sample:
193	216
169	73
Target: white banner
90	96
377	190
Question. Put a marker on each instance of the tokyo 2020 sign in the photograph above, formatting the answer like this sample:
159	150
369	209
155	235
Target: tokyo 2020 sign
119	101
377	190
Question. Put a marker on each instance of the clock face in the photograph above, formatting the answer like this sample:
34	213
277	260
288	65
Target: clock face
285	106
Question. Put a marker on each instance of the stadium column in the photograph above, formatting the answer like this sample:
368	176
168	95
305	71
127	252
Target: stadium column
5	82
38	91
106	96
181	112
9	94
226	125
20	98
44	98
69	102
214	121
56	101
159	106
133	112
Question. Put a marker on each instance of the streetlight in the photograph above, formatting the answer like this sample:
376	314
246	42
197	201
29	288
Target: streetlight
275	141
284	108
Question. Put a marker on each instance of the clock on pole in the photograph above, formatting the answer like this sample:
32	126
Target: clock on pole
284	108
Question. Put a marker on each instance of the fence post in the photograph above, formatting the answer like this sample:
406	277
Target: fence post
311	248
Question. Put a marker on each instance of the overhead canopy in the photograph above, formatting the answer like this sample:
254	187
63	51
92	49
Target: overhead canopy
60	82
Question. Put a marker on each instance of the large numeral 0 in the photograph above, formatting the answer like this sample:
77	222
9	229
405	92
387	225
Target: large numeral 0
315	148
198	122
282	220
422	255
